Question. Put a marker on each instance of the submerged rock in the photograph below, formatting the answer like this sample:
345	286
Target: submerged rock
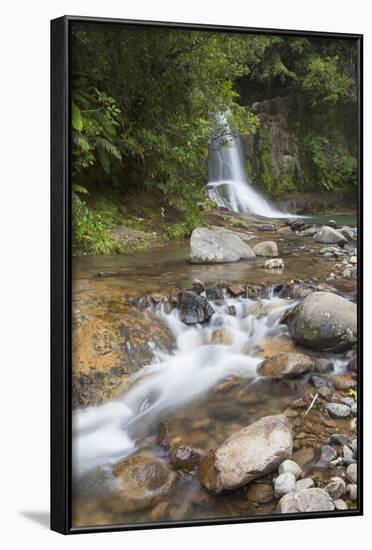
253	452
328	235
185	458
260	493
307	500
266	248
144	479
211	246
324	321
285	365
193	308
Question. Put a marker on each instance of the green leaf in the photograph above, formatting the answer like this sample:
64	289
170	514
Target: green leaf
76	118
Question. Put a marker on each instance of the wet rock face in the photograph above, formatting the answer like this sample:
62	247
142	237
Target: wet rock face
253	451
266	248
144	480
307	500
107	349
193	308
210	246
285	365
328	235
324	321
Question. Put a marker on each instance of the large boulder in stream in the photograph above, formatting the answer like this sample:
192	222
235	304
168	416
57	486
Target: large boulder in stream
193	308
323	321
266	248
284	365
143	481
248	454
328	235
212	246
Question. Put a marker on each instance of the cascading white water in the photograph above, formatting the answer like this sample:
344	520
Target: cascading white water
228	183
106	433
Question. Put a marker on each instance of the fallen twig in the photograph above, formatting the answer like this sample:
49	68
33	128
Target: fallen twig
311	404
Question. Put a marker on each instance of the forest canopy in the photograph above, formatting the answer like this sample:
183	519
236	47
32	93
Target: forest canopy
145	102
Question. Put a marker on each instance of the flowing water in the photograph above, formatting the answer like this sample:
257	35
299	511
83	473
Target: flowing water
228	183
102	435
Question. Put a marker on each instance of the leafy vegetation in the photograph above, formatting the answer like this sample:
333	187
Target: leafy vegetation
145	102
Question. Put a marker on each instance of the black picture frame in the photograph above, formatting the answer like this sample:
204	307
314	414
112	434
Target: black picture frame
61	255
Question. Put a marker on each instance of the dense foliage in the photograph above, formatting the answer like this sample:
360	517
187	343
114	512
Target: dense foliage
144	104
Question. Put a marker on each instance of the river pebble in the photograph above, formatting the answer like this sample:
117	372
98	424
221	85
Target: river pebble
340	504
336	488
305	483
284	484
338	410
290	467
352	472
352	489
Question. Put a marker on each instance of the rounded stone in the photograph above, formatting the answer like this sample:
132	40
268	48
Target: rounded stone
284	484
340	504
352	472
290	467
336	488
338	410
352	490
306	483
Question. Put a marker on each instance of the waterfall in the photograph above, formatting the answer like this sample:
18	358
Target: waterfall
228	183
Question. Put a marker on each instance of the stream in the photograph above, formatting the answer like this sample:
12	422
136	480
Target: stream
205	388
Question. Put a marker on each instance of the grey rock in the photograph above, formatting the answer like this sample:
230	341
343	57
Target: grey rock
327	453
214	293
354	446
193	308
347	401
308	500
340	504
323	321
347	453
253	451
328	235
305	483
352	473
338	410
352	490
290	467
318	381
284	484
332	223
210	246
266	248
336	488
310	232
